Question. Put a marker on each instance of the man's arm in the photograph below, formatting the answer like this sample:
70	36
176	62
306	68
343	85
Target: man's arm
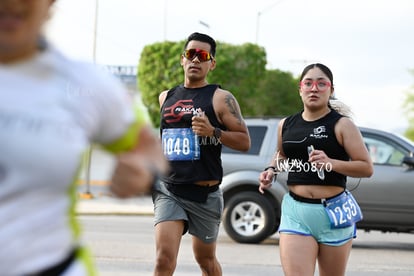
236	135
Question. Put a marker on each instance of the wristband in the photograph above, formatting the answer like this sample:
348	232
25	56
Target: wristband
270	167
217	133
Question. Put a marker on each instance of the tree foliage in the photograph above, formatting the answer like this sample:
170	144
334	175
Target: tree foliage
409	111
159	69
279	94
241	69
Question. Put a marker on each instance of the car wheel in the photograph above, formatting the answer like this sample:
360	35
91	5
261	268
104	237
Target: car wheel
248	217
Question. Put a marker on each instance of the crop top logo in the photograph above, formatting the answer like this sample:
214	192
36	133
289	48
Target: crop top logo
175	112
319	133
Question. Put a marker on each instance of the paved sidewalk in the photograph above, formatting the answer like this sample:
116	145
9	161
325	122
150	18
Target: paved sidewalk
107	205
98	201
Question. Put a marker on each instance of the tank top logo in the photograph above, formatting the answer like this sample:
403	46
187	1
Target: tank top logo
319	133
175	112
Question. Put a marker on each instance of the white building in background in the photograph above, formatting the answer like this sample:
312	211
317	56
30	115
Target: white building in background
127	74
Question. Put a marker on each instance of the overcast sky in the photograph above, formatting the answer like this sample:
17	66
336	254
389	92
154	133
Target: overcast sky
368	44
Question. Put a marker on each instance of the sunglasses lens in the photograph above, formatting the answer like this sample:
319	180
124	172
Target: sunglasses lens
190	54
201	54
307	84
321	85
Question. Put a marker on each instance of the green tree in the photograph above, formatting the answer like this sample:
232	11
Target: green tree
409	110
279	94
240	69
158	69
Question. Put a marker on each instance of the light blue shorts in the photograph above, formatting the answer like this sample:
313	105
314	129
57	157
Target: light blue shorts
310	219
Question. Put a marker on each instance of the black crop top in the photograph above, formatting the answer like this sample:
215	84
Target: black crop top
297	135
189	165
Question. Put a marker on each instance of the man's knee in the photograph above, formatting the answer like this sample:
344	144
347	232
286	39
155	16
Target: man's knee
165	262
210	266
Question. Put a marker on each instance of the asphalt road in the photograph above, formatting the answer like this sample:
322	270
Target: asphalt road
124	246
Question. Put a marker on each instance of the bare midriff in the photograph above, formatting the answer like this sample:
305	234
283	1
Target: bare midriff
315	191
207	182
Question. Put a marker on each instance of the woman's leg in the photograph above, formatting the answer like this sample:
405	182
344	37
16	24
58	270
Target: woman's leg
332	260
298	254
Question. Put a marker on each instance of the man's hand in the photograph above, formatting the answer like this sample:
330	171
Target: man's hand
201	125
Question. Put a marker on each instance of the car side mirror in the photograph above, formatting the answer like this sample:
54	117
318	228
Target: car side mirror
409	161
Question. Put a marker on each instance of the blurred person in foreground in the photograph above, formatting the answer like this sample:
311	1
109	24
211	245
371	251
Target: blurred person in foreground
196	119
51	110
318	147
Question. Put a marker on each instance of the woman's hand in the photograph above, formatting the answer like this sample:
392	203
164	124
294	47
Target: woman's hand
266	179
319	159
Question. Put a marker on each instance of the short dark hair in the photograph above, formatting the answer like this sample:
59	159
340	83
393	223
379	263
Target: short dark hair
323	68
203	38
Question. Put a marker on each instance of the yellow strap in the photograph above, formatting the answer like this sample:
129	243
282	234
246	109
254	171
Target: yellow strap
130	138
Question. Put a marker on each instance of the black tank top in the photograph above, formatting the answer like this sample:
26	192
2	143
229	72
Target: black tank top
298	134
188	165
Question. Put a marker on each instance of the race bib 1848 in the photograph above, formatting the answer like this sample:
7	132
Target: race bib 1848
180	144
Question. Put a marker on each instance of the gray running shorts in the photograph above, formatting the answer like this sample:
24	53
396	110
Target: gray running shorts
202	219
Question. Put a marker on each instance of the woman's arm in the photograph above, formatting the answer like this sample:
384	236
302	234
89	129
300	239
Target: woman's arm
349	136
276	163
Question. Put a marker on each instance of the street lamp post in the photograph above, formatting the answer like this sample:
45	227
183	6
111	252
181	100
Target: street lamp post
259	14
95	31
165	19
257	26
88	155
204	24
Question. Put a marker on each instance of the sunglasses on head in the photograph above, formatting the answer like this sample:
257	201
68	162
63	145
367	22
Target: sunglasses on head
202	55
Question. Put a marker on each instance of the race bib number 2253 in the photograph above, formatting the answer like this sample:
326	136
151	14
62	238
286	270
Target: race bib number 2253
180	144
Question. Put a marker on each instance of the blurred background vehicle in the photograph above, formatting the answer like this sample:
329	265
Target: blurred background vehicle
386	198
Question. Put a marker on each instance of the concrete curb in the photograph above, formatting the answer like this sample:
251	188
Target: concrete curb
106	205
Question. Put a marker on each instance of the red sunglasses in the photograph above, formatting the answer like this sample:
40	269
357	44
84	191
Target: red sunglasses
200	54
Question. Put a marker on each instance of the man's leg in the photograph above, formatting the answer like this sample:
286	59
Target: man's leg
205	255
167	239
